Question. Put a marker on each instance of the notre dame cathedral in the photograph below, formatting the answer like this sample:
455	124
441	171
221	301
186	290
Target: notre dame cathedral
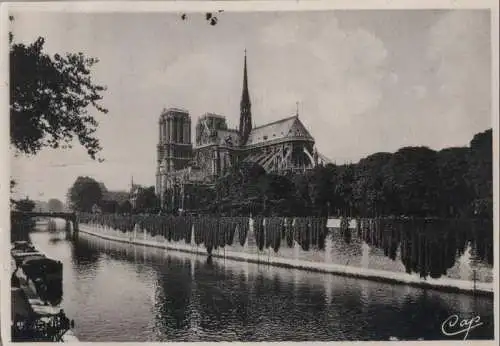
279	147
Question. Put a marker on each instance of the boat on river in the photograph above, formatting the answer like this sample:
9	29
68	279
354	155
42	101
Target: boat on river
36	289
40	274
21	250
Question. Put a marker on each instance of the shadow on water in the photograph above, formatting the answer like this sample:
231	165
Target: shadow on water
84	259
199	298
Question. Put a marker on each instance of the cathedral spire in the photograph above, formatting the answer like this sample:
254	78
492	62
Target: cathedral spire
245	106
245	96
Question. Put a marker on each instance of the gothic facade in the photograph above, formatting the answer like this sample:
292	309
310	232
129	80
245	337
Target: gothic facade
280	146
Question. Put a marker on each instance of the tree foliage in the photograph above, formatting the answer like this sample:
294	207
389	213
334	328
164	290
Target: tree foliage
25	205
414	177
12	187
247	189
480	173
125	207
413	181
85	193
49	99
146	201
109	206
55	205
455	191
371	192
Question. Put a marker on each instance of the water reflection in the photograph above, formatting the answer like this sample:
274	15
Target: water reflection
161	300
429	248
84	256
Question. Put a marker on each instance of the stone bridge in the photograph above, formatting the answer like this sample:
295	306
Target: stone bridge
68	216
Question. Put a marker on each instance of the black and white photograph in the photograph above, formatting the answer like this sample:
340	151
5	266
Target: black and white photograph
249	171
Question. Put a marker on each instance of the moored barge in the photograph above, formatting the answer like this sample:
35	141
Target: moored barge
41	274
36	292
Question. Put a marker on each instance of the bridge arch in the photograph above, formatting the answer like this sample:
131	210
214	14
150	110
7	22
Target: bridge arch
68	216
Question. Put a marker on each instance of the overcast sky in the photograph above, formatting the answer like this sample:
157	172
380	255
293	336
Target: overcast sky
367	81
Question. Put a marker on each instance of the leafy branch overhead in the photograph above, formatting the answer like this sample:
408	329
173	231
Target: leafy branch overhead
50	99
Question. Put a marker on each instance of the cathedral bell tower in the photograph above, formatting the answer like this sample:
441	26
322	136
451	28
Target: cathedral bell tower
245	107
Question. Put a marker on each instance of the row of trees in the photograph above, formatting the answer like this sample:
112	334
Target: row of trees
414	181
86	194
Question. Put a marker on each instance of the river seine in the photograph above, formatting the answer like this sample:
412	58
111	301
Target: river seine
123	292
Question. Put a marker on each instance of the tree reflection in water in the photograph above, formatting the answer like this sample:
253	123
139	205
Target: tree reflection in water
429	247
172	309
84	255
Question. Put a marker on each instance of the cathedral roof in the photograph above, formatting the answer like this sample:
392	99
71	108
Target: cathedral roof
287	127
212	115
175	109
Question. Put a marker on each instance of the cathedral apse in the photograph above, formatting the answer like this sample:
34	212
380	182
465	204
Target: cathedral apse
281	147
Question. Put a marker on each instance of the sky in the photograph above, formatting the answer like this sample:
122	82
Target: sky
366	81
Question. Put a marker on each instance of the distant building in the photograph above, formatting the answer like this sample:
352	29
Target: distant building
280	147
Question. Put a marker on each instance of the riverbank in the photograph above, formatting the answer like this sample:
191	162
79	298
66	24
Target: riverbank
38	307
442	284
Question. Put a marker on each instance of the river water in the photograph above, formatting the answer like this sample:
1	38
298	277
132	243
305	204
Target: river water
123	292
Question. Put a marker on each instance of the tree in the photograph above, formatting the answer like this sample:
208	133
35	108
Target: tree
481	172
415	180
240	183
343	189
109	207
146	200
49	99
55	205
26	205
12	186
21	225
368	189
277	193
84	193
125	207
302	196
321	188
455	192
